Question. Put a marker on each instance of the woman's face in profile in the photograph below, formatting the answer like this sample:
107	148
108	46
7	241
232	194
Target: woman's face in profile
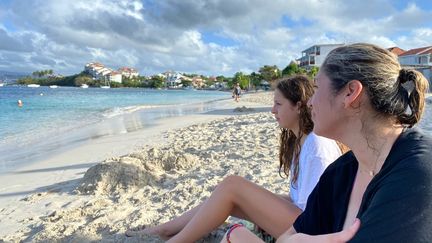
324	115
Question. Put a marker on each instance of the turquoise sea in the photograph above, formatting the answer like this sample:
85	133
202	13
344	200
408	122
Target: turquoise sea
52	116
51	119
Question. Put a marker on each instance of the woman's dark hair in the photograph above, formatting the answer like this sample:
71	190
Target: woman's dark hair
393	92
298	90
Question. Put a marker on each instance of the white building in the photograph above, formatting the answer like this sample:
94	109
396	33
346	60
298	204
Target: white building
173	79
419	59
115	77
419	56
315	55
128	72
99	71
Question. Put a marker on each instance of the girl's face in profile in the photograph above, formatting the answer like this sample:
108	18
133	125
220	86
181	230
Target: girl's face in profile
285	112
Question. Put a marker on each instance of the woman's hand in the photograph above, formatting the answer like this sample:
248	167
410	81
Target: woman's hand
339	237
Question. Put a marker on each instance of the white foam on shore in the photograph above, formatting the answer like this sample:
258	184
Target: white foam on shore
118	111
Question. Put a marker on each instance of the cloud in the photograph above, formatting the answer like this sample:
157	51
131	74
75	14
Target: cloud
155	36
15	43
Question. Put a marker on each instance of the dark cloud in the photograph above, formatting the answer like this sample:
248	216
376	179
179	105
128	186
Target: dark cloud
9	43
158	35
41	60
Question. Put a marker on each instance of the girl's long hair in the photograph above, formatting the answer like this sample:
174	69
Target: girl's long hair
298	89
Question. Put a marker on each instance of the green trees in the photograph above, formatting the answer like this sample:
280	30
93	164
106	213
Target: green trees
157	82
82	79
132	82
270	73
313	72
293	69
241	79
255	79
186	83
42	73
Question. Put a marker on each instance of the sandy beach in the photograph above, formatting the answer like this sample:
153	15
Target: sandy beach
97	190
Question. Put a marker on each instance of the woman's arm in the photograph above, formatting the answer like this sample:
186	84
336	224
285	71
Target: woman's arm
340	237
287	234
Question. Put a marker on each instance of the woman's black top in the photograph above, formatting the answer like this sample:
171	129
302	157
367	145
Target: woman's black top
397	204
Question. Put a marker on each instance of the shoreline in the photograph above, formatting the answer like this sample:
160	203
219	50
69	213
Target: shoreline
33	142
36	190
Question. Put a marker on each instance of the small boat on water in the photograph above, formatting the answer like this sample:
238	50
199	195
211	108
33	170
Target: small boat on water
105	86
2	84
84	86
53	86
33	85
189	88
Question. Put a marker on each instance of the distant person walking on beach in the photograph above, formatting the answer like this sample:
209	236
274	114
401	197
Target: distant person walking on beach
236	92
381	190
303	157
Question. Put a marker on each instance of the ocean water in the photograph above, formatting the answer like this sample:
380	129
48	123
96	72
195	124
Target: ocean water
52	116
51	119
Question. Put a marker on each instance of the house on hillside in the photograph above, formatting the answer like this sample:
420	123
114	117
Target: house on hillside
99	71
315	55
128	72
115	77
197	82
173	79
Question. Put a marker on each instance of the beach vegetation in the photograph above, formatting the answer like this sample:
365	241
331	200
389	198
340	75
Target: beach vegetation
156	82
43	73
255	79
313	72
186	83
270	73
242	79
134	82
293	69
83	79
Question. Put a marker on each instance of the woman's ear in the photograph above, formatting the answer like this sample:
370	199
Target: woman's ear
352	93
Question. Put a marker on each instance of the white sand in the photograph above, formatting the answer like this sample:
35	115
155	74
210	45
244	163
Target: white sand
168	169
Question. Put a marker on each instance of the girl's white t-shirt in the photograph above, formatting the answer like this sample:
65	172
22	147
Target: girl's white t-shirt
316	154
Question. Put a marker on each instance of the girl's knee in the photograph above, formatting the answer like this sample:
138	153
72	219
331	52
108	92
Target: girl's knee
232	182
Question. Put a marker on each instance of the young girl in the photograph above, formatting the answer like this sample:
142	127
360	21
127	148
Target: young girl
303	156
381	191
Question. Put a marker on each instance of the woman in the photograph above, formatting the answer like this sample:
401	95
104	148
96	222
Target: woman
236	92
364	99
303	156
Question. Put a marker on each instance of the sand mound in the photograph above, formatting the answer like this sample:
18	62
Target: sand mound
243	109
134	171
166	159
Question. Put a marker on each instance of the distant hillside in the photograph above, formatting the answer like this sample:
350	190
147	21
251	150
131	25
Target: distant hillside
11	77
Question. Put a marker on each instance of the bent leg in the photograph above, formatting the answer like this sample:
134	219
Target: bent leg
172	227
237	195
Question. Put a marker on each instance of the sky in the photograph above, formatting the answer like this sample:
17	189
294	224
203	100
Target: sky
208	37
